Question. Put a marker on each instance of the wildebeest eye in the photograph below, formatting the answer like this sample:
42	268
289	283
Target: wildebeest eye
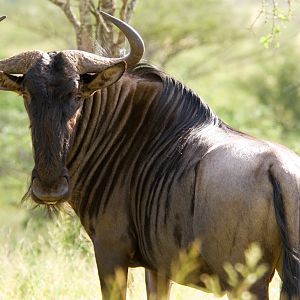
86	78
78	98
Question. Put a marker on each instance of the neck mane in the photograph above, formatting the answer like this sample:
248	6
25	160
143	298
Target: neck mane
177	98
146	117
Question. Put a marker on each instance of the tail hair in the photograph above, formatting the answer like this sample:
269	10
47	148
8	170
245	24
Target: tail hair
291	256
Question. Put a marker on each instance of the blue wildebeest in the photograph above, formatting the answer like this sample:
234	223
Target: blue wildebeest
149	168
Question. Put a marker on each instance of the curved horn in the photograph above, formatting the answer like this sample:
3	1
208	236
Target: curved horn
21	63
2	18
136	43
86	62
91	63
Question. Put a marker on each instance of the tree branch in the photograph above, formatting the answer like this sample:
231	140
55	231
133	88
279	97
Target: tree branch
130	10
97	15
126	13
105	30
85	38
97	28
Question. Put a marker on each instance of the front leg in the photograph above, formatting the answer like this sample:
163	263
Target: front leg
158	286
112	264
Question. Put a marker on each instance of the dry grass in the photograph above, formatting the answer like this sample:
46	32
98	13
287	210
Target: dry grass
137	289
60	265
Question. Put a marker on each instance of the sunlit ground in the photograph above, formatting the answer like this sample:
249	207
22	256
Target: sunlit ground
69	277
59	265
137	289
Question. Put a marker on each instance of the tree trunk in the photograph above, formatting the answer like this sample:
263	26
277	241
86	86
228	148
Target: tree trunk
91	30
106	33
85	33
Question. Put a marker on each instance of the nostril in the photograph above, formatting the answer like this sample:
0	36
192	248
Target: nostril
67	178
65	173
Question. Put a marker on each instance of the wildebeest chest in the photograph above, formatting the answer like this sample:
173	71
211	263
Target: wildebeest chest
134	161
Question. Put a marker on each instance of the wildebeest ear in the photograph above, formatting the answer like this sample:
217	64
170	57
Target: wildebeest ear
92	83
10	83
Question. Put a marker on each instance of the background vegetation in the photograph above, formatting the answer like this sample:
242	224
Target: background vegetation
206	44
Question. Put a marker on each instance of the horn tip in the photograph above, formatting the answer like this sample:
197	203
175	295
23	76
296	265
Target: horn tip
137	47
2	18
105	15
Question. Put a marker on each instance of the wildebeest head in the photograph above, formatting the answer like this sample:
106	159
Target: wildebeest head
54	86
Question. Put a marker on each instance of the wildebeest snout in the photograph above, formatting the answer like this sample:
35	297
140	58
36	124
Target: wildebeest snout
45	193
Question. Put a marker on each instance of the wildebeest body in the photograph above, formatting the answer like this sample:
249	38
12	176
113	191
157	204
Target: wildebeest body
167	171
150	169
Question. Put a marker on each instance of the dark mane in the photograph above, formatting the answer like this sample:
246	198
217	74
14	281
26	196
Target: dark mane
191	105
177	118
205	115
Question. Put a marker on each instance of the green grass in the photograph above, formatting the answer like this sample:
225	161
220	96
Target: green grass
56	261
45	263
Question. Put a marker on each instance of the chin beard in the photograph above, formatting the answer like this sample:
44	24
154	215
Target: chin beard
52	209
